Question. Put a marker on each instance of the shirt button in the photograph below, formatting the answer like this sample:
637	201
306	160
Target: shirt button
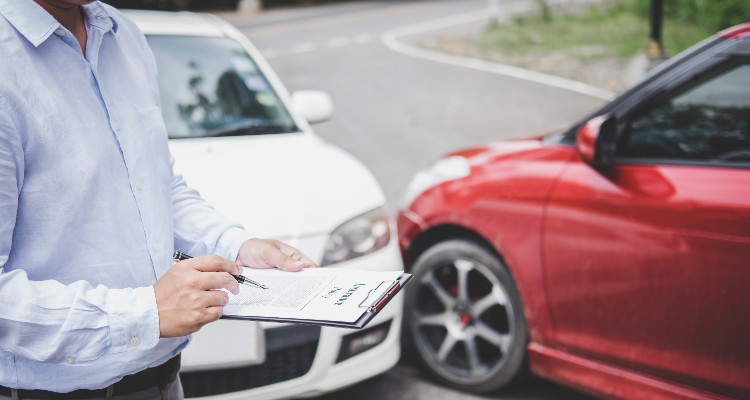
135	341
155	247
116	126
138	186
70	360
60	32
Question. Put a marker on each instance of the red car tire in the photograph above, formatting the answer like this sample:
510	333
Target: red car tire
464	317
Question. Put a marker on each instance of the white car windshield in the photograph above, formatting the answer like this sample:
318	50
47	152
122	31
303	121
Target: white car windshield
212	87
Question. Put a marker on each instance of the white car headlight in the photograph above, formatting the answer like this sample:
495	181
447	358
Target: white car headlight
357	237
443	170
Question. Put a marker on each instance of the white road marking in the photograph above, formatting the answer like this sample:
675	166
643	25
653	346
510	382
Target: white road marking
391	39
338	42
303	48
307	47
270	53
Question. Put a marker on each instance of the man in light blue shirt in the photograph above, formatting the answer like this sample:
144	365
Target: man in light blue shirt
91	211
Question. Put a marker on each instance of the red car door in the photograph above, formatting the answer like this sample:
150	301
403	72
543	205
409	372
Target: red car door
647	263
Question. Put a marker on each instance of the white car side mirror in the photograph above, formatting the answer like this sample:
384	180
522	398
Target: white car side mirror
316	106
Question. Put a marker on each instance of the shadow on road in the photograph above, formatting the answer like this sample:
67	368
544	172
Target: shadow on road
405	382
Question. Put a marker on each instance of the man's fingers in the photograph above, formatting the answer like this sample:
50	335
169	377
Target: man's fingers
218	280
268	253
283	261
211	298
209	314
299	259
288	264
306	262
217	298
189	295
213	264
215	313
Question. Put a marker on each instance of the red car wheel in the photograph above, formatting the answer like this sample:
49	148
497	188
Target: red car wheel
464	317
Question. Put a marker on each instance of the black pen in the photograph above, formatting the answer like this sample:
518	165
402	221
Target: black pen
180	256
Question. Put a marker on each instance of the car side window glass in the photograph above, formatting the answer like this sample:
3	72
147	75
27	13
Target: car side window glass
708	123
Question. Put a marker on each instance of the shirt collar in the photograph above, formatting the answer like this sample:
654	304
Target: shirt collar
36	24
97	15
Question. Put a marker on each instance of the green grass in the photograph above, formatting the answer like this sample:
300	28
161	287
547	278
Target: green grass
611	31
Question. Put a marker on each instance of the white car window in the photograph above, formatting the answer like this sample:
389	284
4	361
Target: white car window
212	87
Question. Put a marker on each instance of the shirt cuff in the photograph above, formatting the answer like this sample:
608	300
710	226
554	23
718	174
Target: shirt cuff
230	242
133	319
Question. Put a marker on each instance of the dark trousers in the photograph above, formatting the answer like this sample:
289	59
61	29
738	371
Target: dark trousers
172	391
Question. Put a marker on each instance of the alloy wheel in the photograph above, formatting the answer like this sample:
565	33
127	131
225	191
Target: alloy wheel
462	321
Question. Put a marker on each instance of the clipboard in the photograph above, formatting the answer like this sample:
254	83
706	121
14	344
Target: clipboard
371	305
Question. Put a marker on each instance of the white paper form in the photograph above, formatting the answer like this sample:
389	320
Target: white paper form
323	294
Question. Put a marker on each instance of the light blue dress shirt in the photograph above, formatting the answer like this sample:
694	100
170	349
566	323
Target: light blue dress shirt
90	209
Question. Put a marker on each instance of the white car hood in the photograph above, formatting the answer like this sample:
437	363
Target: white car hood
278	186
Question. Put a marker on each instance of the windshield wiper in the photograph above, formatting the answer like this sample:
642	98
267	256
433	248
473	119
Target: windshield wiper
250	128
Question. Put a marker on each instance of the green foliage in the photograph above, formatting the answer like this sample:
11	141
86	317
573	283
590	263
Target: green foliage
545	9
713	15
620	29
590	35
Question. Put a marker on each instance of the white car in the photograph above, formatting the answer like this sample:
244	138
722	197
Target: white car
247	146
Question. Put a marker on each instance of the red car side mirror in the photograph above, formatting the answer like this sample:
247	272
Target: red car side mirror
596	139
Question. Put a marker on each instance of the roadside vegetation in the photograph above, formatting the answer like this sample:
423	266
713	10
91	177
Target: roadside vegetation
596	44
619	29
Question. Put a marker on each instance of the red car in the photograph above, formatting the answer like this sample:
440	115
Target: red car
614	257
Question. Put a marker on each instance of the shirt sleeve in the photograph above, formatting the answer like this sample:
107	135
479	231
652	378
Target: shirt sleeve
48	321
199	228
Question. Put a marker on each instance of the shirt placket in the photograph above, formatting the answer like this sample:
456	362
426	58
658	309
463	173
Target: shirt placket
137	173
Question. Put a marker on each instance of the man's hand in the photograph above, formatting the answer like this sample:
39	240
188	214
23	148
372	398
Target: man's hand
185	295
263	253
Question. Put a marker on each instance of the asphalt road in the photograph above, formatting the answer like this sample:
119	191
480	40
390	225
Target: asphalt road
397	113
405	382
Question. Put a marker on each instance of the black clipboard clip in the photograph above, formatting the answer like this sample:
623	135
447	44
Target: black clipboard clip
378	303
